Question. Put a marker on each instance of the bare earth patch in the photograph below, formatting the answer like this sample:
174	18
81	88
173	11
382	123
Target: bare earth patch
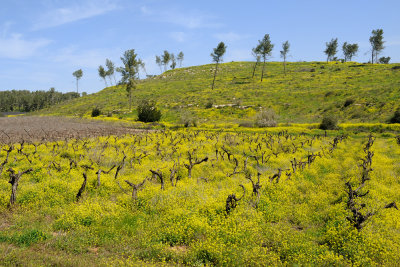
30	129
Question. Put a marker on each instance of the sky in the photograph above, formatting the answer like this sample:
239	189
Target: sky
43	42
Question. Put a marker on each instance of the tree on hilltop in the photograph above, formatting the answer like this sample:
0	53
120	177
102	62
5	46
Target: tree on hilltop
159	62
165	59
377	42
257	54
110	70
265	47
217	55
180	58
78	75
284	53
331	49
129	72
173	61
349	50
102	74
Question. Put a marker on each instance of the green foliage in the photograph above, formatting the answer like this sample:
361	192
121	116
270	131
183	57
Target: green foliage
129	72
27	101
264	48
78	75
180	58
298	97
96	112
349	51
102	74
348	102
148	112
377	42
328	123
130	66
217	55
331	49
384	60
218	52
165	59
284	52
396	117
110	69
26	238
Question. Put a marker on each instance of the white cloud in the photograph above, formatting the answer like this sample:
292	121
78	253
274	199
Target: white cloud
187	19
16	47
5	28
178	36
76	58
230	37
60	16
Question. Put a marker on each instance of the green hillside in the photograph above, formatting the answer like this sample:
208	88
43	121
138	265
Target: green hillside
353	92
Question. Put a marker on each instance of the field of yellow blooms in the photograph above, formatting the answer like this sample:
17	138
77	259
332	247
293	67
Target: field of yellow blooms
278	196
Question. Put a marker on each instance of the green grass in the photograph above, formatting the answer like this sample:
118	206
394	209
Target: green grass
308	92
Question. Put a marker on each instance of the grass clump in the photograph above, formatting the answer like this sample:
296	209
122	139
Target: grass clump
266	118
328	123
148	112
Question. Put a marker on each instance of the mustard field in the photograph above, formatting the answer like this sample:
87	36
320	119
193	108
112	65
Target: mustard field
260	197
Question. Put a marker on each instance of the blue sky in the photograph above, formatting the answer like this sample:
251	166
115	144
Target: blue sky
43	41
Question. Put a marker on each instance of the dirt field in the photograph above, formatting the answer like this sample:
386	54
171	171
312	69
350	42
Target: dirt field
16	129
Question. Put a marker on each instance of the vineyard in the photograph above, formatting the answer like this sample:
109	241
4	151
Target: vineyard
195	197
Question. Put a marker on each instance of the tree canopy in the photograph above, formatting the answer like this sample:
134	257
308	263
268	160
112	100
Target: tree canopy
377	42
331	49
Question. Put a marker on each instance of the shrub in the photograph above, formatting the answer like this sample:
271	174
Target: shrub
348	102
396	117
266	118
209	104
148	112
384	60
328	123
188	119
246	124
96	112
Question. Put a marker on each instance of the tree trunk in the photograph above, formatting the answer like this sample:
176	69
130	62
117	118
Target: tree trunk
130	101
254	69
284	65
215	75
372	57
82	189
105	81
13	196
262	73
77	89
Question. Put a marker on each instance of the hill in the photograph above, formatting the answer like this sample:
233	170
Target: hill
353	92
